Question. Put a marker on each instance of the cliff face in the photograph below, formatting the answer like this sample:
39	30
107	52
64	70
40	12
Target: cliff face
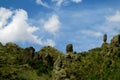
101	63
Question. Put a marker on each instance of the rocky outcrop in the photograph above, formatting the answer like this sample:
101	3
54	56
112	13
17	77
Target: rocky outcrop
116	40
61	65
113	47
69	48
105	44
59	70
105	38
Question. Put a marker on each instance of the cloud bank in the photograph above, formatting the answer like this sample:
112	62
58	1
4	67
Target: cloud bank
14	27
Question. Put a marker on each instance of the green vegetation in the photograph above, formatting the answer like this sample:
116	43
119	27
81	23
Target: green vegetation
25	64
102	63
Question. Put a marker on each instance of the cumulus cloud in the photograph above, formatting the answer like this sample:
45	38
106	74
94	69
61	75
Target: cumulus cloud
115	17
52	25
14	27
40	2
4	15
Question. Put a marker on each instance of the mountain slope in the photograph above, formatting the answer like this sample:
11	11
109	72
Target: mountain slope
102	63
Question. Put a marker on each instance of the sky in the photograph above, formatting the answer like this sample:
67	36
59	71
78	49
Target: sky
57	23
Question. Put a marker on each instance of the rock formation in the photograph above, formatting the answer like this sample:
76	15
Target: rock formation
62	63
105	44
105	38
116	40
69	48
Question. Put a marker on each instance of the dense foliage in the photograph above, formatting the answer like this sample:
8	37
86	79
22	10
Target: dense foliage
101	63
25	64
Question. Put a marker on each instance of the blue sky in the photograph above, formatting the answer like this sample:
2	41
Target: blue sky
40	23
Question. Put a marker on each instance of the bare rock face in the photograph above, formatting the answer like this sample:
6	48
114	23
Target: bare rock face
61	68
69	48
58	63
59	71
62	64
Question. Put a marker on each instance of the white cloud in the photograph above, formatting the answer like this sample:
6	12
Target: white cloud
112	24
65	2
32	29
4	15
40	2
77	1
115	17
91	33
56	3
52	25
17	29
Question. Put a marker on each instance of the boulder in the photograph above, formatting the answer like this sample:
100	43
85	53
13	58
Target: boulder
105	38
69	48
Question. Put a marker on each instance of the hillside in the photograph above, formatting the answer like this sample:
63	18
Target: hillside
102	63
17	63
